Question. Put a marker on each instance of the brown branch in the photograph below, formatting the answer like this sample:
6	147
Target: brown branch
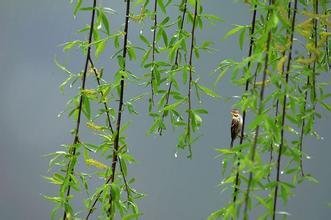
115	158
303	125
253	148
250	51
153	50
101	93
175	65
189	115
280	87
288	67
70	167
120	104
315	55
308	84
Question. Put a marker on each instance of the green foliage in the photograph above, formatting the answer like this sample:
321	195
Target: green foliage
282	94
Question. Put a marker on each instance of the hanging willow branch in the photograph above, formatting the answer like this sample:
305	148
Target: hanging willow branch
120	104
260	108
281	145
315	6
189	111
97	77
250	51
280	86
115	157
175	64
72	151
153	51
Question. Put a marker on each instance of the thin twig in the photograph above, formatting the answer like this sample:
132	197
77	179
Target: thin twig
281	145
153	51
110	126
315	55
101	93
175	65
126	185
314	34
120	104
260	108
189	114
280	87
70	167
250	51
327	43
303	126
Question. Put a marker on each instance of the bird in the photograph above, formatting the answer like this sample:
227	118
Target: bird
236	125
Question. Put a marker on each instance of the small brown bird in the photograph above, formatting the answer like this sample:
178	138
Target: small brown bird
236	125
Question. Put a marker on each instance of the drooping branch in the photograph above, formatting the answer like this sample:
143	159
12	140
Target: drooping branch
310	79
248	81
260	108
153	51
97	76
315	6
281	145
120	104
175	64
70	167
115	157
280	86
189	112
110	126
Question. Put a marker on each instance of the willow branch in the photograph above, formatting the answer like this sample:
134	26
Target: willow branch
101	93
153	50
303	122
280	87
327	52
189	114
175	65
315	6
250	51
281	145
120	104
309	79
70	167
260	108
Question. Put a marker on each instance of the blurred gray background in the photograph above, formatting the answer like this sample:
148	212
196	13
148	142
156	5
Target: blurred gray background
176	188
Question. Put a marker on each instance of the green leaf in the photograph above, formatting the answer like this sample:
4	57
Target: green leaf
104	20
100	47
326	106
77	7
173	106
144	39
131	53
165	21
63	68
207	91
86	106
55	199
68	45
234	30
242	38
161	5
121	61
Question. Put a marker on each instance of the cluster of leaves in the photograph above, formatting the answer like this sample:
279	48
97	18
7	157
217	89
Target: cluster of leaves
81	162
280	103
99	104
168	60
281	97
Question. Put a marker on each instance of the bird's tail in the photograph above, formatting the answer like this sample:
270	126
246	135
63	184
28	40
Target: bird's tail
231	144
